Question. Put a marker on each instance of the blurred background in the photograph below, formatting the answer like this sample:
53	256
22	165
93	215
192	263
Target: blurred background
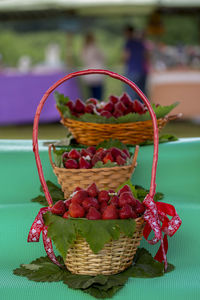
41	41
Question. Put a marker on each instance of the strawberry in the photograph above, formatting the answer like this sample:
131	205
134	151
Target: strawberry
113	99
78	188
103	206
91	149
105	113
120	161
126	152
126	212
79	196
103	196
95	159
84	164
138	107
117	113
139	208
114	201
70	104
90	201
110	213
89	108
115	152
120	106
93	214
65	156
58	208
109	107
134	215
79	106
107	158
66	215
67	203
126	198
76	210
125	188
92	190
93	101
85	153
71	164
126	100
129	110
74	154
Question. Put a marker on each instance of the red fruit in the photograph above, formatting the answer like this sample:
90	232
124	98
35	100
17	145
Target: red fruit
93	101
117	113
125	188
67	203
85	153
74	154
84	164
107	158
111	191
117	152
113	99
139	208
126	152
92	190
126	212
103	196
71	164
120	106
66	215
70	104
126	100
103	206
95	159
90	201
110	213
58	208
105	113
109	107
129	110
138	107
78	189
89	108
134	215
79	106
91	149
65	156
76	210
79	196
126	198
114	201
93	214
120	161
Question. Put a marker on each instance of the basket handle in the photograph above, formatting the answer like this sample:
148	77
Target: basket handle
135	155
87	72
50	156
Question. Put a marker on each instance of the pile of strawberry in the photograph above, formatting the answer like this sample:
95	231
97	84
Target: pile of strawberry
87	158
95	205
116	107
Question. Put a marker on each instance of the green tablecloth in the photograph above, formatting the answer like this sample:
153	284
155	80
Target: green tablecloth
178	177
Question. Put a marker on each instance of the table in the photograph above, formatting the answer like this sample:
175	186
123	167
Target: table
178	178
20	94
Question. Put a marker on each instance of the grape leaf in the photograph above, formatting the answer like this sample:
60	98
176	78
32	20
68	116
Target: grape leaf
107	144
55	191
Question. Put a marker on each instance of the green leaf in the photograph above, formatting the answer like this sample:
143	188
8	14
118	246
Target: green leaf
107	144
109	164
55	191
162	139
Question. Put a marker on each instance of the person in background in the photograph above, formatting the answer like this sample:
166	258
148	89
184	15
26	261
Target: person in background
93	58
136	61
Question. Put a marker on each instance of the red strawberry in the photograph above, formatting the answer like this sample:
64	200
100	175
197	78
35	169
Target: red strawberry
126	100
71	164
79	196
115	152
85	152
90	201
103	206
126	198
89	108
134	215
109	107
107	158
67	203
120	161
74	154
93	214
93	101
76	210
102	153
105	113
139	208
91	149
78	189
92	190
114	99
103	196
70	104
114	201
65	156
95	159
120	106
79	106
66	215
129	110
84	164
125	188
110	213
138	107
126	212
117	113
126	152
58	208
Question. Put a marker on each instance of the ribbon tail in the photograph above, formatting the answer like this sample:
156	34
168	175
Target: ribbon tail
162	251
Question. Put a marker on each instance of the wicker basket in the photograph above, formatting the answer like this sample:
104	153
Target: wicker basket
129	133
105	178
116	255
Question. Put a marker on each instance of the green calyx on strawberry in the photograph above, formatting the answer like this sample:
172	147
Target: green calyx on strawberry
95	204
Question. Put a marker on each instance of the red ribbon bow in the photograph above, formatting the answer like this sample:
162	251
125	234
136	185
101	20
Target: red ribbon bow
37	227
155	214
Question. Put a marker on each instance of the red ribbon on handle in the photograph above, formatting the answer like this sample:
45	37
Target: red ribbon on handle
37	227
155	214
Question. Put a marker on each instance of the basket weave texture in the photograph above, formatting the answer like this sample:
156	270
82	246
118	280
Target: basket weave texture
129	133
115	257
105	178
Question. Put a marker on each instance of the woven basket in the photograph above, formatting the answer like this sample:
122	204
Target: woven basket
133	133
116	255
105	178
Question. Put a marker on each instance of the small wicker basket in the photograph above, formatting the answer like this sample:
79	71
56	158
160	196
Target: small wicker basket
116	255
105	178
